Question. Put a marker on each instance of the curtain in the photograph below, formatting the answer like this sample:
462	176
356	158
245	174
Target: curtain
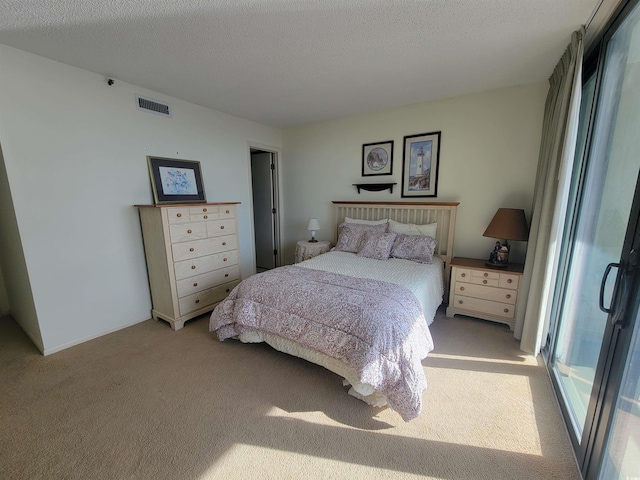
555	162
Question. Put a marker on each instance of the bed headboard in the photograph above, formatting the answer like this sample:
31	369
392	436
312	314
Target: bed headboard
442	213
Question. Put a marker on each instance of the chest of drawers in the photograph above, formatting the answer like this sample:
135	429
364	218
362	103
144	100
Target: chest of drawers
483	292
192	257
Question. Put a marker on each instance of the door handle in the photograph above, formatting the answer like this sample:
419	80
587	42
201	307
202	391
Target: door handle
602	285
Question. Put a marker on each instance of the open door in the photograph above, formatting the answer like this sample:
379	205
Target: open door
264	183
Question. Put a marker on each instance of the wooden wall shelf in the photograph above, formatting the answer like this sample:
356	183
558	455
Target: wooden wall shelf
374	187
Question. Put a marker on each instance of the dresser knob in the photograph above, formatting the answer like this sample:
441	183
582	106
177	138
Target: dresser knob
463	275
204	209
224	243
188	231
508	295
197	301
195	284
206	216
227	211
221	227
460	302
193	267
224	259
462	289
506	310
191	249
486	274
226	275
484	281
179	215
509	281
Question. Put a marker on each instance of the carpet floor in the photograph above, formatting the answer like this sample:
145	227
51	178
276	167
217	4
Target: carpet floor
150	403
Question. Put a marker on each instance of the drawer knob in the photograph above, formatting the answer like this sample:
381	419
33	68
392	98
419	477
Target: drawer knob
193	267
460	302
462	289
191	249
509	281
204	209
197	301
486	274
463	275
228	290
189	231
221	227
227	211
224	243
506	310
206	216
508	295
484	281
179	215
224	259
195	284
226	275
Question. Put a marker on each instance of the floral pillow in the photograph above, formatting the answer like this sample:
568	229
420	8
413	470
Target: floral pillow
377	245
417	248
352	236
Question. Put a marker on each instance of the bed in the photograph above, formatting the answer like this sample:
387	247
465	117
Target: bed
357	310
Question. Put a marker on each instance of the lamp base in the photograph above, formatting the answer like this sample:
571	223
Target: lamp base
313	240
496	264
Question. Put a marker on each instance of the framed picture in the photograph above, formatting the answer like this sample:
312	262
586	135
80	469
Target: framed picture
420	161
175	181
377	158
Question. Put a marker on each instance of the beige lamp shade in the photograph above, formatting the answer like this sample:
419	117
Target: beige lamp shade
313	224
508	223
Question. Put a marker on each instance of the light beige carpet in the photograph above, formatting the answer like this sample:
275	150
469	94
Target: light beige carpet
150	403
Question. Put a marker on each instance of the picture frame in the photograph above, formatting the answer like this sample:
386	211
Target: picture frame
175	181
420	164
377	158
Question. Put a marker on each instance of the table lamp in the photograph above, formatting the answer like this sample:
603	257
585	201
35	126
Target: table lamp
510	224
313	225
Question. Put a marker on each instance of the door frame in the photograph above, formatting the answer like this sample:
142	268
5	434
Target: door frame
276	153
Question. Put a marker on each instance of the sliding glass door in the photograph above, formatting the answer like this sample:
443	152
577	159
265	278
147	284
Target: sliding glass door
593	359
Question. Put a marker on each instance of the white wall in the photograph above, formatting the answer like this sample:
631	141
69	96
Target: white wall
488	159
75	155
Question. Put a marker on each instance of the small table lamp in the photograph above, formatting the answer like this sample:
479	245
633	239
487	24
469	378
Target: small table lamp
510	224
313	225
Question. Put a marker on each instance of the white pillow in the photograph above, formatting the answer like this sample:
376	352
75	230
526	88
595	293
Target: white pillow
428	230
365	222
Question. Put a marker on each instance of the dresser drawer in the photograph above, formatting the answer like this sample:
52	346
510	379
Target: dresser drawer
207	280
197	266
493	294
205	298
187	231
463	275
484	306
227	211
509	281
200	248
178	215
221	227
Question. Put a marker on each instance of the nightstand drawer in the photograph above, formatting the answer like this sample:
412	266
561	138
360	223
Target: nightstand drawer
487	293
474	305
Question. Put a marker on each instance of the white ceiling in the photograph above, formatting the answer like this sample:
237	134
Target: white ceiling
291	62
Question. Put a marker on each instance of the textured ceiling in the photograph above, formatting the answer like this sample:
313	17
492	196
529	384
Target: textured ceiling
291	62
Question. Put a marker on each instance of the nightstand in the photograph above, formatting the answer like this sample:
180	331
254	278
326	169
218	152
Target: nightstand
484	292
306	249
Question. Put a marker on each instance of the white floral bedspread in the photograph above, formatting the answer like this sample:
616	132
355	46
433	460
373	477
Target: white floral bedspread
375	327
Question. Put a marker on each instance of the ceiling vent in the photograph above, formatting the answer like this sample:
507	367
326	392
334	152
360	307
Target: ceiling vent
153	106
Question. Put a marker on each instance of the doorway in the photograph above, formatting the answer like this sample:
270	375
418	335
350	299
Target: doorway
266	212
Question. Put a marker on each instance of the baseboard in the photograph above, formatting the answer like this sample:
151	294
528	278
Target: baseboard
64	346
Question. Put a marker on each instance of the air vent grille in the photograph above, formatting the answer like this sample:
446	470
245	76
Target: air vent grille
153	106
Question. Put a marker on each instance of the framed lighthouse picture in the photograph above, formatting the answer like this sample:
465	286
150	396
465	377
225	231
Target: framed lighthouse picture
420	161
